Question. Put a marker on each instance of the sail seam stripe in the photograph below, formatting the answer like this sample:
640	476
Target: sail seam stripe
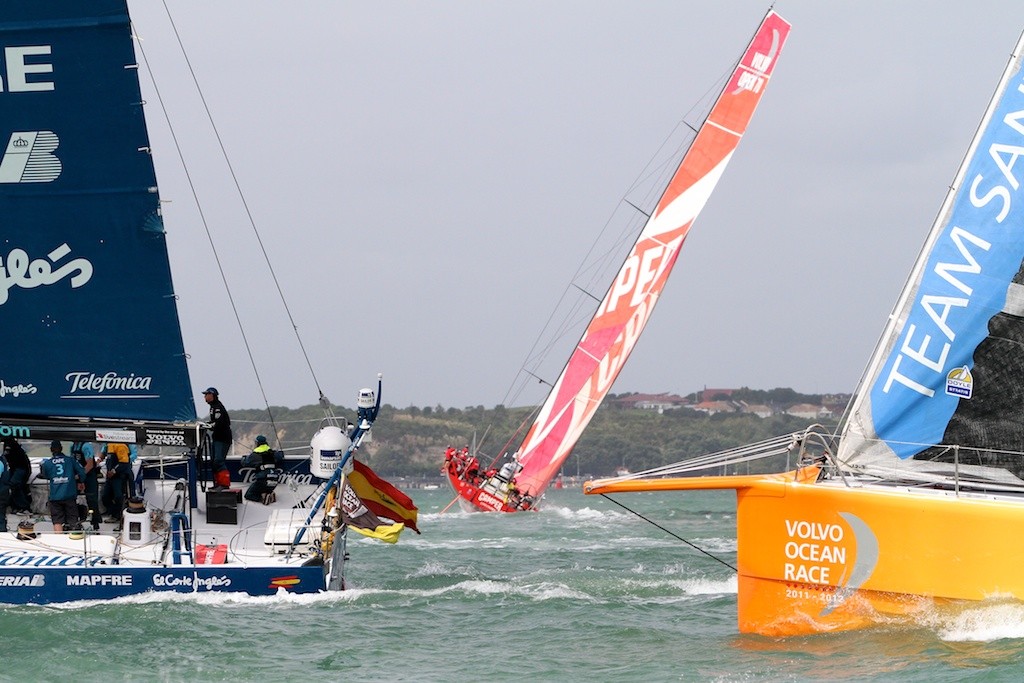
723	128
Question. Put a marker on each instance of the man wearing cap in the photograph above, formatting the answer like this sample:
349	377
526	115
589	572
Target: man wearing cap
220	422
263	461
62	471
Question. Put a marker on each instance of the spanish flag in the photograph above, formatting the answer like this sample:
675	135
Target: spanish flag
382	498
359	518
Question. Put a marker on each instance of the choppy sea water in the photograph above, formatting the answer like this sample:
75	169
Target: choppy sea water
580	591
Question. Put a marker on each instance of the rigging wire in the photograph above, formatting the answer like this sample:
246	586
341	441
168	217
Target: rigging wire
206	225
249	216
670	533
649	184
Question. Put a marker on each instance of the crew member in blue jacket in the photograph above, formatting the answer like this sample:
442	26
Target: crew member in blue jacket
64	474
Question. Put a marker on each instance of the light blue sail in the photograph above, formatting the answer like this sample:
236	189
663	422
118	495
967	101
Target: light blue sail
960	303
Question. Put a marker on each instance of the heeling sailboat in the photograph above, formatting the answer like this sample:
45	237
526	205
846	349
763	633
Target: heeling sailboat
919	503
95	354
620	318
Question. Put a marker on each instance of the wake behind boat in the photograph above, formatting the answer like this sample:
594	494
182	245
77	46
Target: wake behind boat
95	352
519	482
918	501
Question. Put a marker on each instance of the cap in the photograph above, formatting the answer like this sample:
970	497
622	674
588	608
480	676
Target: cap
56	444
261	439
211	390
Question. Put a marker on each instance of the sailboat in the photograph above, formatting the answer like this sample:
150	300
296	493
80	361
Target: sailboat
612	333
915	505
95	355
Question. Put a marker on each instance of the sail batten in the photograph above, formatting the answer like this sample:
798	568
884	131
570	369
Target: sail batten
627	305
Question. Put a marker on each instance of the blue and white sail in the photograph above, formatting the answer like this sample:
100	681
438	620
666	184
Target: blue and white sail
87	307
949	368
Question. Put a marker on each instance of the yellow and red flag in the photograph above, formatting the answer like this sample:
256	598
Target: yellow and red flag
381	497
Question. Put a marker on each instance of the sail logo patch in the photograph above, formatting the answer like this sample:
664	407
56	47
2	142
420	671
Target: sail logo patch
960	382
94	385
20	270
15	390
30	158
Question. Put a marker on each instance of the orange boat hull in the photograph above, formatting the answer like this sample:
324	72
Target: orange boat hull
821	556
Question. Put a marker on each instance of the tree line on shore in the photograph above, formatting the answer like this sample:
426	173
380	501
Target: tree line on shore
410	442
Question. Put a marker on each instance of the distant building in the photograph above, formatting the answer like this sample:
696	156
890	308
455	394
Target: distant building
759	409
809	411
836	402
658	402
713	394
714	407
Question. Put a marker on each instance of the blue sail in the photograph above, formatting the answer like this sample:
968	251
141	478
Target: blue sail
87	307
948	368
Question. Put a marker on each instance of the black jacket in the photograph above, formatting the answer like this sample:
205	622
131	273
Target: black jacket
221	421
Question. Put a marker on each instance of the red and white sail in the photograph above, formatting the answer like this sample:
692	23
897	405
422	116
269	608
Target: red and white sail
602	351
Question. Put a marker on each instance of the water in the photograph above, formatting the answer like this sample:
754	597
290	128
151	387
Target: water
581	591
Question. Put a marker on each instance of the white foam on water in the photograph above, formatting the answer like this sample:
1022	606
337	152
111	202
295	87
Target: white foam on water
434	568
541	591
981	623
282	598
688	585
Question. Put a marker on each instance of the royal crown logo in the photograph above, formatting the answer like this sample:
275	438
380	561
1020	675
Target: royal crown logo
30	158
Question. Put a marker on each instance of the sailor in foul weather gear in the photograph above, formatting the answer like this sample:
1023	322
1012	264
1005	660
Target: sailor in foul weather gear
266	474
120	480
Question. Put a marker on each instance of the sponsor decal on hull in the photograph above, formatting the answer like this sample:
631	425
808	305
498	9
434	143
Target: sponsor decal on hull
23	558
285	581
99	580
192	581
22	580
828	562
16	432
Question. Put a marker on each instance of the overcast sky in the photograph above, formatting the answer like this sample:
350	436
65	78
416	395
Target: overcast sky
427	176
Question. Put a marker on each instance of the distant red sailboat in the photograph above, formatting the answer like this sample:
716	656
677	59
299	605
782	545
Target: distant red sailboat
627	306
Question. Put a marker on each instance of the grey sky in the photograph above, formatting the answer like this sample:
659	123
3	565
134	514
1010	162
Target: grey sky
426	177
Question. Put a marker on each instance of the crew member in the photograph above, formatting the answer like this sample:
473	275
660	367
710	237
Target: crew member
62	471
82	451
119	479
5	490
21	471
220	423
263	460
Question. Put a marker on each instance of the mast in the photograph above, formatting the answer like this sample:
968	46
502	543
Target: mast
627	306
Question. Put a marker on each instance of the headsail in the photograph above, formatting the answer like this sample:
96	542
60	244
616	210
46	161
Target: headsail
612	333
85	283
948	368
